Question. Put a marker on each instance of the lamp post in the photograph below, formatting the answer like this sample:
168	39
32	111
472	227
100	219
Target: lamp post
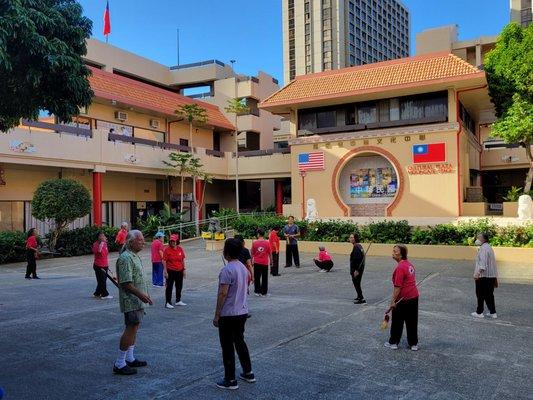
303	174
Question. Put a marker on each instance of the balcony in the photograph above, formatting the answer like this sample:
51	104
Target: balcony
497	155
72	147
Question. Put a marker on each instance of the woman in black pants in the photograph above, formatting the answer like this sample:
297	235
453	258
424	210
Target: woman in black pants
404	301
174	264
31	254
357	266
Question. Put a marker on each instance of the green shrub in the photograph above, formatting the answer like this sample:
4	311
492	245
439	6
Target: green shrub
386	232
78	242
12	247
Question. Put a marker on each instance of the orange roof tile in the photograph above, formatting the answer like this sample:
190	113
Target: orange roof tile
381	76
110	86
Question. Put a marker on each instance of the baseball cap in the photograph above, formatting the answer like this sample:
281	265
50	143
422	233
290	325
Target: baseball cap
174	238
159	234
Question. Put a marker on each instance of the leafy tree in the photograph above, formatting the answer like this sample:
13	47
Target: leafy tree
41	45
237	107
62	201
509	70
187	164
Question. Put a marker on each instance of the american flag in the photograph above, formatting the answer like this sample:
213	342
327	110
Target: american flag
311	161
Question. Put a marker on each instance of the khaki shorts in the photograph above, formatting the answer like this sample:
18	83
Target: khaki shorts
132	318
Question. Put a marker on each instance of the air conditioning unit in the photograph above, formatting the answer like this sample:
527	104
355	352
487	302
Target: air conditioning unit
121	115
154	123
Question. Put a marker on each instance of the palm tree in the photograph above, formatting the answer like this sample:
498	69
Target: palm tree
236	106
193	113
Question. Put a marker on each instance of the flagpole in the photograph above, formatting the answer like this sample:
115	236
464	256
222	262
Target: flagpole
178	44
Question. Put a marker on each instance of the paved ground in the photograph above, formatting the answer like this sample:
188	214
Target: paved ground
308	341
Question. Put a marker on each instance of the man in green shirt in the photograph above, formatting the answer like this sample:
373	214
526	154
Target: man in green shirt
133	295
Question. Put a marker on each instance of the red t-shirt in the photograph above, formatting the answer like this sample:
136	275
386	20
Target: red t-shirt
157	246
260	251
121	236
31	242
174	258
404	277
273	240
100	257
323	255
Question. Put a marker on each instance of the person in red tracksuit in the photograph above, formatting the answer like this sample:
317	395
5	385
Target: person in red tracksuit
261	259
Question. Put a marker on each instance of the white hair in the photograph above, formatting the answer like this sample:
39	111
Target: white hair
130	237
124	225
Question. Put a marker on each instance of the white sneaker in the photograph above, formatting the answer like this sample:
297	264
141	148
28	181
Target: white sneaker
493	316
476	315
168	305
391	346
107	297
414	348
180	303
322	270
258	294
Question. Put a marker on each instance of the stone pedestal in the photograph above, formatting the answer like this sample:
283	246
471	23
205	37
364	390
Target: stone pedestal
214	245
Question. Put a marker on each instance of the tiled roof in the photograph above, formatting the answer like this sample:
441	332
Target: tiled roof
386	75
138	94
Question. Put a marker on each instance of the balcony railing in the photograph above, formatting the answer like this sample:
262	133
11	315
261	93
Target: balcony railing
58	128
267	152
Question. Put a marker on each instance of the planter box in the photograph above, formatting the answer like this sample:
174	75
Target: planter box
474	209
510	209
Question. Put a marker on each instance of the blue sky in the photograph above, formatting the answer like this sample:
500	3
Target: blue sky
249	31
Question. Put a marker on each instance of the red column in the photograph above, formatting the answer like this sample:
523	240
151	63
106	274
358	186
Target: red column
199	196
279	197
97	198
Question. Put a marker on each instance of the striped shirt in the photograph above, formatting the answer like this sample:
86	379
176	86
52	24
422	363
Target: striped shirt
486	262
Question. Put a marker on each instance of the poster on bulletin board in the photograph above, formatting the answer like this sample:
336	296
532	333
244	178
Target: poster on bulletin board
373	183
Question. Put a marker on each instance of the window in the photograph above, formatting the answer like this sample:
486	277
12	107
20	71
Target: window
367	114
384	111
327	45
307	120
327	34
327	65
394	109
325	119
326	13
326	24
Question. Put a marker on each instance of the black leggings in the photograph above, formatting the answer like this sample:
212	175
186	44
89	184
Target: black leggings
406	311
325	265
231	334
101	279
357	283
260	279
31	268
174	278
485	294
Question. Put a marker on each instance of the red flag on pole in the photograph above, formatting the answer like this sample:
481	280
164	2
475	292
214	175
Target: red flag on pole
107	21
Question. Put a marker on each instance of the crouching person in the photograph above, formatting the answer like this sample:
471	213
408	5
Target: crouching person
323	260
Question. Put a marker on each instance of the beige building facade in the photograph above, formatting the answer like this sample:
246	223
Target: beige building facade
521	12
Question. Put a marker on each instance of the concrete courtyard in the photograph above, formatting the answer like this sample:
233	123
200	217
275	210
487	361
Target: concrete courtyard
307	340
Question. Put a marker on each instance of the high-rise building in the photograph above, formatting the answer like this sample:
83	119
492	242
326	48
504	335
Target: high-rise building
320	35
521	12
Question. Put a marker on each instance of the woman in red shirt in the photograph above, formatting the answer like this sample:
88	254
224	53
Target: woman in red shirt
404	301
174	264
31	254
260	259
101	266
273	240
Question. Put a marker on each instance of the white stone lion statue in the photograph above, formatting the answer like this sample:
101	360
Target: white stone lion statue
312	212
525	207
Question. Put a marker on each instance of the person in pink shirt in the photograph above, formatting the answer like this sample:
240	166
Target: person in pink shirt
261	259
323	260
157	248
404	301
101	266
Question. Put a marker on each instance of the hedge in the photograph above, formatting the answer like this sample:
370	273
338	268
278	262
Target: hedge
395	231
78	242
12	247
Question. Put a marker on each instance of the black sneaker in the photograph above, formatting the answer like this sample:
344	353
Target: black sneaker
36	277
27	277
225	384
249	377
125	370
297	266
136	363
360	301
287	266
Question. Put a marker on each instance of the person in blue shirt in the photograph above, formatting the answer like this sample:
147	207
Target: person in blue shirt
292	233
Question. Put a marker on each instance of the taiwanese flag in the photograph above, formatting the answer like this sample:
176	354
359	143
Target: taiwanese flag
107	21
428	153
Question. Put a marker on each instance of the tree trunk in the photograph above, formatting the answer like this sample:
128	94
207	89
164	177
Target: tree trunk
529	178
181	196
54	235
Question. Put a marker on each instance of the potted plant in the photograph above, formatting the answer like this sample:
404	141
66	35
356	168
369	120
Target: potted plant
510	204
